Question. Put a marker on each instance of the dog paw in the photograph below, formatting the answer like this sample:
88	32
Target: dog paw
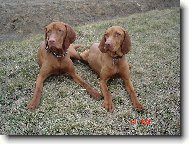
32	105
138	106
108	106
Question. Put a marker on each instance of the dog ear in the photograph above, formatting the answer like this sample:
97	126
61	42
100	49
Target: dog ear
102	45
126	44
70	37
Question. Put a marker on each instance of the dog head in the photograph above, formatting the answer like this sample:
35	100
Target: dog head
115	40
59	35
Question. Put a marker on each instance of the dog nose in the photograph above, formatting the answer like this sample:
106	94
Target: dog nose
52	40
108	44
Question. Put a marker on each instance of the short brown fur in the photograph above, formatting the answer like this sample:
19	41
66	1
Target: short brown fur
107	58
58	37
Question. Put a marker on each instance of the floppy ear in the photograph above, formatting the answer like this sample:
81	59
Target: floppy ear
70	37
126	45
102	44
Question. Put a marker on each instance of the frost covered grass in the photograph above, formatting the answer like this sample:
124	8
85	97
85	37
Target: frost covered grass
67	109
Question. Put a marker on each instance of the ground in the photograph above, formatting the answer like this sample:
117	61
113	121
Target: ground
66	108
20	18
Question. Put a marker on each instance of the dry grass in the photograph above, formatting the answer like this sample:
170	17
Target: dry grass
66	109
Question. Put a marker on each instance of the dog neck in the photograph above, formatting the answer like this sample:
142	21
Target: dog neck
115	57
57	53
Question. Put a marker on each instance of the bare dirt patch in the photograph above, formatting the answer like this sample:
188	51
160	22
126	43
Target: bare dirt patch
23	17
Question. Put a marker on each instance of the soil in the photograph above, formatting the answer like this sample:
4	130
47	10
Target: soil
25	17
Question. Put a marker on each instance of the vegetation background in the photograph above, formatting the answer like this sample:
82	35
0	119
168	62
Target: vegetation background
66	109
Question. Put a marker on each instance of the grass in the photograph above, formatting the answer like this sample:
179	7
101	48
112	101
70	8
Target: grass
67	109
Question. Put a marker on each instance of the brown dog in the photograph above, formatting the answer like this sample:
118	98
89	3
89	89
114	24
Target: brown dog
54	58
108	59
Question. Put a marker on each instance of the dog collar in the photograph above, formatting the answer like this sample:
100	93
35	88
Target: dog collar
116	59
54	53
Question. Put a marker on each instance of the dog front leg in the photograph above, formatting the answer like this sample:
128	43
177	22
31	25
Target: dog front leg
94	93
107	104
130	89
34	103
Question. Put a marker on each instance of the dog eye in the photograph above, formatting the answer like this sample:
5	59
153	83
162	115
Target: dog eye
60	30
117	34
48	31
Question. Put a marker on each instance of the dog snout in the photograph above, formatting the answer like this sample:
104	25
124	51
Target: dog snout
108	44
52	40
